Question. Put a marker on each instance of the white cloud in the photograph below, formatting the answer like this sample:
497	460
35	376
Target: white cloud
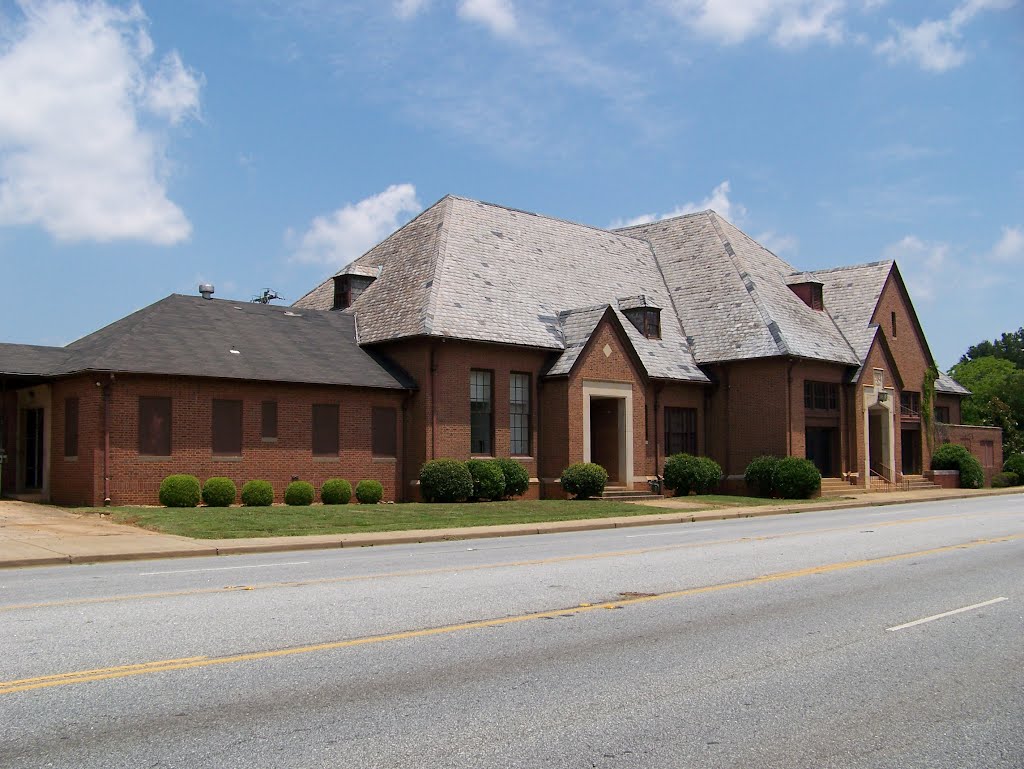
778	243
339	237
497	15
1010	247
406	9
921	262
789	22
77	83
935	45
718	201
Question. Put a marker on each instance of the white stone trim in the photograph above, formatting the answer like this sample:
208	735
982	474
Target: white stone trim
622	391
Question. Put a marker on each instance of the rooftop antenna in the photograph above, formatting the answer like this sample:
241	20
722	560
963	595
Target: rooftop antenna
268	296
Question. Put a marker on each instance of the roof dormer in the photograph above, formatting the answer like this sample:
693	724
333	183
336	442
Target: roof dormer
351	282
642	313
808	289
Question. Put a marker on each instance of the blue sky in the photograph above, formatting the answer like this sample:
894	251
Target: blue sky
250	143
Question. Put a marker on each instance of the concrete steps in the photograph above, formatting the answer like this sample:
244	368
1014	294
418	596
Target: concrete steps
836	487
919	482
622	494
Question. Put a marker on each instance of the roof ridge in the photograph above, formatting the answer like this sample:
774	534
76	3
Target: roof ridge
844	267
773	328
437	265
672	301
704	212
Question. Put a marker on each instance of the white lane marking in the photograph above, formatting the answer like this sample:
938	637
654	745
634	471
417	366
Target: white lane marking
948	613
665	533
224	568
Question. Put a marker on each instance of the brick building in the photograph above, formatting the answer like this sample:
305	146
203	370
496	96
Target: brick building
479	330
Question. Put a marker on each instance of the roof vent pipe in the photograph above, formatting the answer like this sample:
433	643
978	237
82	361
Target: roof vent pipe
206	290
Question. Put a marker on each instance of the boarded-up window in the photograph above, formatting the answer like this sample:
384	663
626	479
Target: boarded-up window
269	419
154	426
481	412
680	431
71	427
325	430
227	428
988	454
384	427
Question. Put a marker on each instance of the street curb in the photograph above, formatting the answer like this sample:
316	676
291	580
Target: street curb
420	536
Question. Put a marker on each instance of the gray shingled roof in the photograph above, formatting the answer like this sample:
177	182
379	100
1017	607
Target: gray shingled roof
31	360
731	294
850	295
946	384
470	270
192	336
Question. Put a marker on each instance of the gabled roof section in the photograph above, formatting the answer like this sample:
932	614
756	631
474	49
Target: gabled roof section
949	386
192	336
877	337
850	295
732	296
482	272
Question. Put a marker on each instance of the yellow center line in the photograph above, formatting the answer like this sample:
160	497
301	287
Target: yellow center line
469	568
190	663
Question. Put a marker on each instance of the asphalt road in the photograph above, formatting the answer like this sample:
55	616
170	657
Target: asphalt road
772	642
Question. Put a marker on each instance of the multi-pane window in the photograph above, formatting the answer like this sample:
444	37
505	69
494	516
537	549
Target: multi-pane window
325	430
227	428
481	412
71	427
647	321
154	426
519	414
910	404
680	431
384	428
942	414
268	420
821	396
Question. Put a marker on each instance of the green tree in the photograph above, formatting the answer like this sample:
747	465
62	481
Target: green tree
997	397
1009	346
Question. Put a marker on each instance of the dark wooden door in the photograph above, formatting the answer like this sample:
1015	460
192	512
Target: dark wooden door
820	443
33	449
604	435
911	451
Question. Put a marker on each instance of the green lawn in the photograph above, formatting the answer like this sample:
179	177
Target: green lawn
237	522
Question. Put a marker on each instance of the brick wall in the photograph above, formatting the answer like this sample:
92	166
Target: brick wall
952	402
136	479
984	443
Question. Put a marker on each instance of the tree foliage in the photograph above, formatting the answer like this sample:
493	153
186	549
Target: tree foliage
996	383
1009	346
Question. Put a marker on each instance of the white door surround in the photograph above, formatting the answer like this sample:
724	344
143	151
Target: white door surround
880	400
623	392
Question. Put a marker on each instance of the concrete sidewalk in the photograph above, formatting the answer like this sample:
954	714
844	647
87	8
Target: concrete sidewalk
41	535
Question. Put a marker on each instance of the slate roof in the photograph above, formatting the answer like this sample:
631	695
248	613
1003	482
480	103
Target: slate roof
192	336
946	384
731	294
850	295
477	271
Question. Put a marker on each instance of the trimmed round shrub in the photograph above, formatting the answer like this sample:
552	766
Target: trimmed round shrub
953	456
299	494
258	494
445	480
685	473
517	480
584	479
760	475
219	492
796	478
1005	480
180	491
369	492
1014	464
488	479
336	491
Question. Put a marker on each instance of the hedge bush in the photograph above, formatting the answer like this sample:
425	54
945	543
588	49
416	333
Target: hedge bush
180	491
517	480
219	492
1014	464
953	456
796	478
445	480
299	494
488	479
1004	480
584	479
760	475
336	491
369	492
258	494
685	473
